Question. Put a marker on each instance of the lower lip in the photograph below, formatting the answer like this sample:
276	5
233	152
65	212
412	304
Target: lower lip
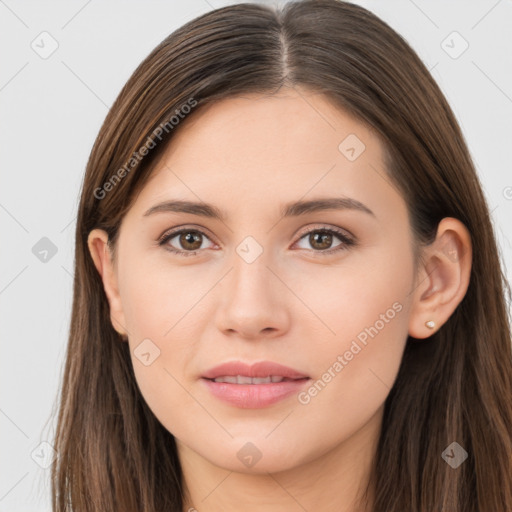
254	396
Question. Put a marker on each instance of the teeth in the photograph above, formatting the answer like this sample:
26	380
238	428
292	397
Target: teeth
260	380
242	379
230	380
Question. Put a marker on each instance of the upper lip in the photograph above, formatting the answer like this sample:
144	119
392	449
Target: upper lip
259	369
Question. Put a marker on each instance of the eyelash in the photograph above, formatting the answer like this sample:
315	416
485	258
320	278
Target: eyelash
346	241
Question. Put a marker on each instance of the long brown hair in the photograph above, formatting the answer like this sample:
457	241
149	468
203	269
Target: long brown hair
114	455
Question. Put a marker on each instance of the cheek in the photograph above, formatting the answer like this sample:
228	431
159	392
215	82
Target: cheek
161	305
365	311
160	297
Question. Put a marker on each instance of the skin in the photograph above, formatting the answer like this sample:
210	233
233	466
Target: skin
292	305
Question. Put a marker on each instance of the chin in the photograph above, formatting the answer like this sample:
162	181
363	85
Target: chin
253	455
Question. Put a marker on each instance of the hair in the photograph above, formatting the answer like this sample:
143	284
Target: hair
113	454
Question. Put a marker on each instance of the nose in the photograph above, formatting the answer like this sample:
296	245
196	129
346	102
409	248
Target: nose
253	302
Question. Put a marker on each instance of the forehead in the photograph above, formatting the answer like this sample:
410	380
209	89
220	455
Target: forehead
294	121
255	150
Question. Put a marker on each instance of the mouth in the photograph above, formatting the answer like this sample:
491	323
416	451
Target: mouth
253	386
244	379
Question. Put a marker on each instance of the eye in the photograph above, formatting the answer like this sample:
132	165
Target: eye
322	240
190	240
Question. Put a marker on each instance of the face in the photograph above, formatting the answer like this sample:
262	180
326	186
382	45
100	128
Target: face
321	291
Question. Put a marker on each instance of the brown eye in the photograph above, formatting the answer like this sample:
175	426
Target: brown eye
321	240
189	241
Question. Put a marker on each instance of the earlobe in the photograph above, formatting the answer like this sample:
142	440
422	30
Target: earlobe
442	280
97	242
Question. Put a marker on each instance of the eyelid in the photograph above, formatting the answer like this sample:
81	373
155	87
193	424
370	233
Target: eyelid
325	227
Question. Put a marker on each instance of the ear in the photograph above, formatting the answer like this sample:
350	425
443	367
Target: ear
442	278
97	242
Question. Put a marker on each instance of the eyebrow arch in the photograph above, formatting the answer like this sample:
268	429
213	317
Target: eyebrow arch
293	209
332	203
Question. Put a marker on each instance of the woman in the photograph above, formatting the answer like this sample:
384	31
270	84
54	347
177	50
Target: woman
287	293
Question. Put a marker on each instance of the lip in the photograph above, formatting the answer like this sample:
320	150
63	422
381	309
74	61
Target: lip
259	369
253	396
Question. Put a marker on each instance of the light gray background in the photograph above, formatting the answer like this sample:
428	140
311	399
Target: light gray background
51	111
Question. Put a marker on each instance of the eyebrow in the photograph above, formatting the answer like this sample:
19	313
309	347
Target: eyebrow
293	209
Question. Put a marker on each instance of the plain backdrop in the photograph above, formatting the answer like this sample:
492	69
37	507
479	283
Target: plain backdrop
62	65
